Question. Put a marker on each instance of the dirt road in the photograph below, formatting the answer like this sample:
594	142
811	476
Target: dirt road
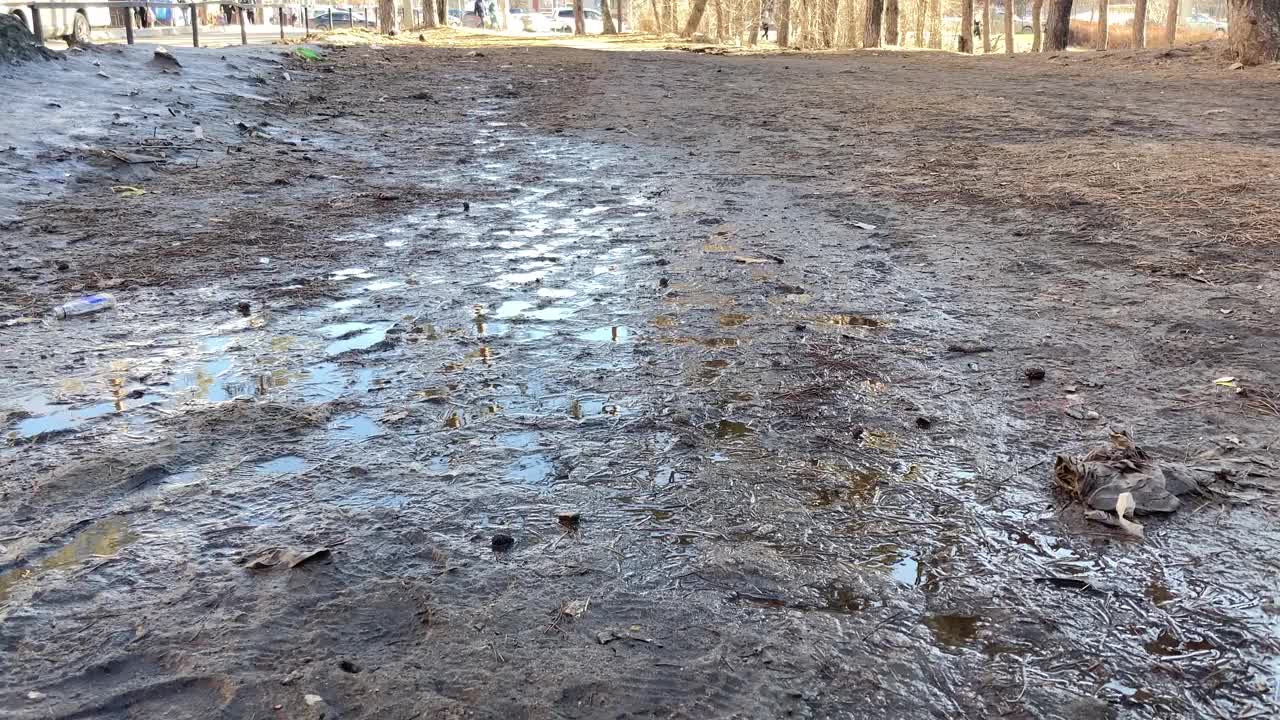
551	382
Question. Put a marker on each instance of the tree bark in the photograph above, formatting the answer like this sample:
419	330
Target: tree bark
1037	32
891	22
657	17
720	34
871	32
935	24
1008	27
429	13
1058	29
965	44
606	18
1104	25
407	18
1139	24
695	18
1171	23
784	23
831	11
388	18
672	25
442	13
619	15
1254	27
579	19
922	8
757	12
986	27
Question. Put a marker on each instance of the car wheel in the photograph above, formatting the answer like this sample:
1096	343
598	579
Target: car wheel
80	30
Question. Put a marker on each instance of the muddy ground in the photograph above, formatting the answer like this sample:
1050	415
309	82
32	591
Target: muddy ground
704	302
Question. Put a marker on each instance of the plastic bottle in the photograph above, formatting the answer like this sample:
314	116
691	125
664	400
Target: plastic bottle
84	306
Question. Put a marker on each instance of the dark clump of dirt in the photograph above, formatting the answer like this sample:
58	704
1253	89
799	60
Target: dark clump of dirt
17	44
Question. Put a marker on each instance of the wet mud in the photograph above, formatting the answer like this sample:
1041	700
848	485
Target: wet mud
615	396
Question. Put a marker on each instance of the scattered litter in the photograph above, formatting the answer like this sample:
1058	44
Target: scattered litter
86	305
864	226
197	132
502	542
604	637
1235	66
969	348
306	53
569	518
750	260
312	699
127	191
1227	381
288	557
1102	476
1033	373
164	59
575	608
103	75
36	695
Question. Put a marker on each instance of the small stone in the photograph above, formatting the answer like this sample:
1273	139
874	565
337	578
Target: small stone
923	423
502	542
312	699
348	667
569	518
1070	389
766	529
36	696
63	265
1092	415
1033	373
244	308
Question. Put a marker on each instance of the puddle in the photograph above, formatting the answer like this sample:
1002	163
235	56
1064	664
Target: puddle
850	320
215	344
104	538
513	309
348	273
286	465
533	469
517	440
355	427
56	419
954	630
354	336
613	333
729	429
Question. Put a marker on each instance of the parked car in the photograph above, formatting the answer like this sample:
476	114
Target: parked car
539	22
455	18
78	21
342	18
593	21
471	20
1200	21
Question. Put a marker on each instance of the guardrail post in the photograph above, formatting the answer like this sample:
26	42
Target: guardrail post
244	33
128	25
36	27
195	27
280	17
306	19
351	18
330	18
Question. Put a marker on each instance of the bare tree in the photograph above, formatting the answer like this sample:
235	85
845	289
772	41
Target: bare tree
986	27
619	15
442	13
935	24
965	45
407	20
579	19
829	11
1171	23
1008	27
1139	24
1103	25
657	17
891	22
757	15
922	9
1254	27
695	18
720	27
606	18
784	23
1037	32
388	18
1058	29
871	32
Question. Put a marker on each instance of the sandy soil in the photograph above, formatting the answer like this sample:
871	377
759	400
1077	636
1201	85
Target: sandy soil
705	303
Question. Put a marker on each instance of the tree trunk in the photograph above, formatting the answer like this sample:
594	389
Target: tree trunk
672	26
891	22
965	44
986	27
579	19
407	19
1008	27
720	33
935	24
1037	34
619	15
922	9
606	18
657	17
429	13
757	12
831	11
1139	24
1171	23
442	13
1104	25
784	23
1058	29
871	32
388	18
695	19
1254	27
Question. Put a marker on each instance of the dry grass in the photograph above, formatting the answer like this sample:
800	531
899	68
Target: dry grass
1120	37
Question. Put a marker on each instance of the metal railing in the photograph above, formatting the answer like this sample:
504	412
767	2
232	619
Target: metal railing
242	9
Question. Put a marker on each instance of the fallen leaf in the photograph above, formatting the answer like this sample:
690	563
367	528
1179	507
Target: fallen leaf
1226	381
